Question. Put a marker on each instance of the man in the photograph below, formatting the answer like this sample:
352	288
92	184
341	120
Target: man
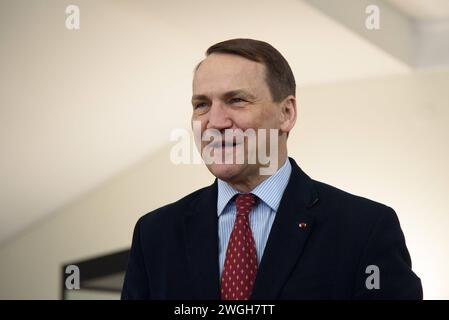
263	236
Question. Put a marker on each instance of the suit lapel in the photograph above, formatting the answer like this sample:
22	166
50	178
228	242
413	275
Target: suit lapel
286	240
201	235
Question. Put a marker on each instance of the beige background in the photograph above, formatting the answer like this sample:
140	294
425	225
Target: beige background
86	120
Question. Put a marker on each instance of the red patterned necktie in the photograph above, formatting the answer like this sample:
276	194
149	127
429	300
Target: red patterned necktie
240	266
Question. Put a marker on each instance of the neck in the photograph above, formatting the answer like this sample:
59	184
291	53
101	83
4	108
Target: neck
249	182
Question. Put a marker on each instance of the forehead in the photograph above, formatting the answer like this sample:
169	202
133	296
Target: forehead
222	72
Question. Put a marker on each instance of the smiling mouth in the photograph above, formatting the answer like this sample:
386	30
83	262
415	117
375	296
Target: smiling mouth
224	144
228	144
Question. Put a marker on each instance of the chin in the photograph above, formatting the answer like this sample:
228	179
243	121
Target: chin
225	172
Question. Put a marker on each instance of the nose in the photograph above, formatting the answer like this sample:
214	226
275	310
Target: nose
218	118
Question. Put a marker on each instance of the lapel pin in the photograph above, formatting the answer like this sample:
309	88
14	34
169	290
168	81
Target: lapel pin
302	225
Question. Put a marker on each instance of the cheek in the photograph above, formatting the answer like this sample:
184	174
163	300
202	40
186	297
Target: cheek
198	122
198	127
265	120
271	117
267	116
247	120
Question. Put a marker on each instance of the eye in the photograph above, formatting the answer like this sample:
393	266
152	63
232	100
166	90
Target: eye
200	105
236	100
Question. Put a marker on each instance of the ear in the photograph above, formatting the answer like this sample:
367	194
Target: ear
288	114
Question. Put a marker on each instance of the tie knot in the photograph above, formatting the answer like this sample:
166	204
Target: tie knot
244	203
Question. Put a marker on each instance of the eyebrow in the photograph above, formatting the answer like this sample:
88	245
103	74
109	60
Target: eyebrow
226	95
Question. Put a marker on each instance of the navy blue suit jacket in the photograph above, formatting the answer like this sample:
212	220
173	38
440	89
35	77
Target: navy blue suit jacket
174	253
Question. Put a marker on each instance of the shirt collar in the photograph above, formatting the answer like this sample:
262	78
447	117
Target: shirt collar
269	191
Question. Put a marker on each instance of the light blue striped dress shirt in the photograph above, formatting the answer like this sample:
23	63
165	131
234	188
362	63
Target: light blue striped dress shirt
261	218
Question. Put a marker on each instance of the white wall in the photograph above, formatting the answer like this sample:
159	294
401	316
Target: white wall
384	139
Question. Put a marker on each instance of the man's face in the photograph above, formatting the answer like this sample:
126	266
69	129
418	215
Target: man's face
230	92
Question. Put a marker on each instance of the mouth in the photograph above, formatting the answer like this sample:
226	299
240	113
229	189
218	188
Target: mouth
228	144
224	152
224	144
